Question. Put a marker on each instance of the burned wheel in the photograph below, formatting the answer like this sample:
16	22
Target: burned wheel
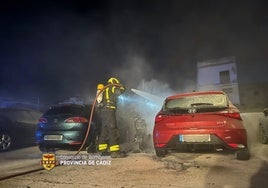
5	141
45	149
262	136
242	154
160	152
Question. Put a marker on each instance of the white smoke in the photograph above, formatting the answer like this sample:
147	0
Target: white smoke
137	73
134	70
155	87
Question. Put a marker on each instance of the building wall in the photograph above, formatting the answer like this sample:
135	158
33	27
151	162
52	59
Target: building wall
253	97
210	74
208	77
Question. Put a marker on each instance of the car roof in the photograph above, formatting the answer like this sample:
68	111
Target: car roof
194	93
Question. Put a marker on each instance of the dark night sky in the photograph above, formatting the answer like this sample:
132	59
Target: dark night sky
55	49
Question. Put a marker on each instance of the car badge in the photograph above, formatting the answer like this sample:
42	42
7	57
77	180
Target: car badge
192	111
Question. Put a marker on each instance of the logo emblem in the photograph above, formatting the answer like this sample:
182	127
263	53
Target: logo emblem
192	111
48	161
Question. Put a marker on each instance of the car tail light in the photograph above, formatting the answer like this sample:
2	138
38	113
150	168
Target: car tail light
234	145
42	120
76	120
235	115
160	117
75	143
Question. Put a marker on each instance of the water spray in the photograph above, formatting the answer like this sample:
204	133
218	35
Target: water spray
155	99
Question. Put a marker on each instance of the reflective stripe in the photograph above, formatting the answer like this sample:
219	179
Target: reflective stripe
107	95
103	147
109	103
113	81
100	96
114	148
113	88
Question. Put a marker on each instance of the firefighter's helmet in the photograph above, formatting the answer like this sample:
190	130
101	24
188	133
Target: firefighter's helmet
100	86
113	81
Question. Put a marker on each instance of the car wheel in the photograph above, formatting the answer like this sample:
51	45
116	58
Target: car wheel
242	154
160	152
44	149
263	137
5	142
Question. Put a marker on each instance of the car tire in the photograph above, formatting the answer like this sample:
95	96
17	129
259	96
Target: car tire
5	141
242	154
44	149
160	152
263	137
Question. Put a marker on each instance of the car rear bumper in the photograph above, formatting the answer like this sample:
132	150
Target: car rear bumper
215	143
60	138
220	138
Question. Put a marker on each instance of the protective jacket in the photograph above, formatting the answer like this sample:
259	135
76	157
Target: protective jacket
110	96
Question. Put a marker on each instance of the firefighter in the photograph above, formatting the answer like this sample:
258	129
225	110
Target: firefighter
99	95
92	147
109	137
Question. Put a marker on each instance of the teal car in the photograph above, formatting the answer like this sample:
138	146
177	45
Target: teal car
65	127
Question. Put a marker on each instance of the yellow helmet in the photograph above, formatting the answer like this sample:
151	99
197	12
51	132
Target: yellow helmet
113	81
100	86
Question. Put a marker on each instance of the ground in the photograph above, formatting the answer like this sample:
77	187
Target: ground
210	170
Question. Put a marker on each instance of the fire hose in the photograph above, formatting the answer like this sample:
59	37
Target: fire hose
91	115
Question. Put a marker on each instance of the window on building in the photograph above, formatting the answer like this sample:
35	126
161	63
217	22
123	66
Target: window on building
225	77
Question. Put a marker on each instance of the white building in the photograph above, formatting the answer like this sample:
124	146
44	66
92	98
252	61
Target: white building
219	74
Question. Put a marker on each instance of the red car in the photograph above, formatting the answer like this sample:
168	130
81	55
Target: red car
200	120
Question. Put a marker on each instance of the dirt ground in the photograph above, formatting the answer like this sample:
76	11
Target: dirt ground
146	170
182	170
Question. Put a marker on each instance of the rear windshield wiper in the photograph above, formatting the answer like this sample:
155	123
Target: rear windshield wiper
176	110
202	104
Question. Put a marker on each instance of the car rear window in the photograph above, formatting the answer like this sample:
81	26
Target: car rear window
65	110
207	100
